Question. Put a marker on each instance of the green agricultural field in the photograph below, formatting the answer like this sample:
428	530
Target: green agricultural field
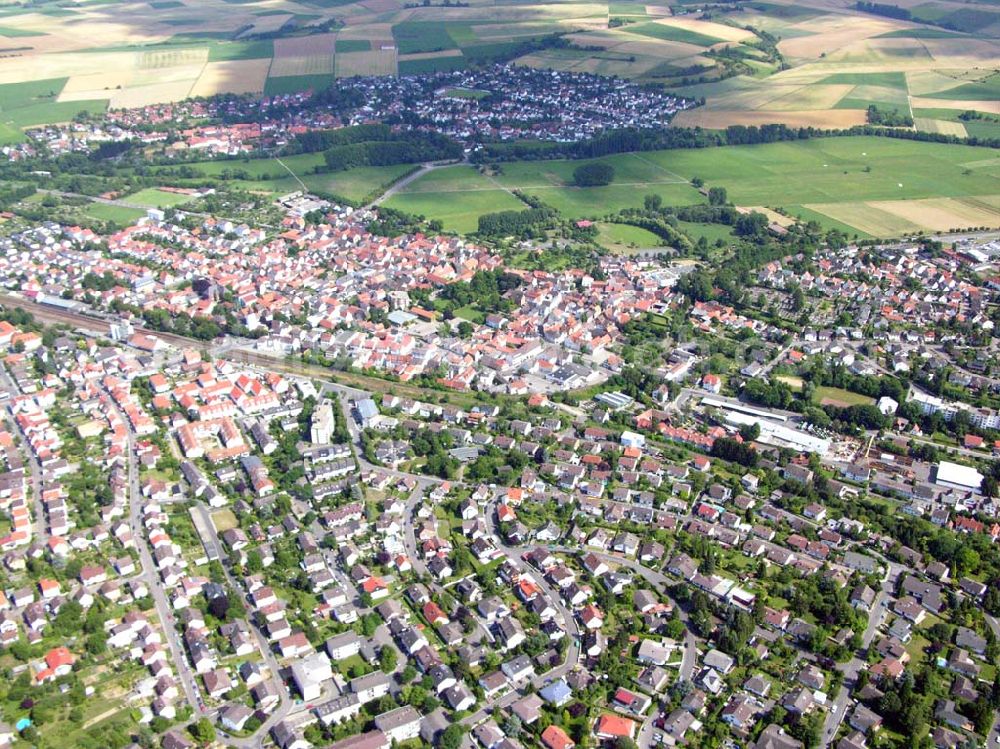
883	80
630	169
291	84
259	168
157	198
806	214
971	20
34	103
431	65
672	34
842	172
797	12
255	50
18	95
919	34
459	211
986	89
352	45
269	175
358	184
594	202
457	178
421	36
826	170
12	33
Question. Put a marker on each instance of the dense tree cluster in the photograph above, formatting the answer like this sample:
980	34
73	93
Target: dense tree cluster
515	223
883	9
596	174
888	117
399	148
735	451
485	290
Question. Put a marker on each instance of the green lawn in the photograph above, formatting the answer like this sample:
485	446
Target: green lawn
157	198
844	396
471	314
623	237
466	93
118	214
711	232
795	383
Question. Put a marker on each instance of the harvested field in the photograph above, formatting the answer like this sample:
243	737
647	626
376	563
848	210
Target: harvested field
237	77
374	62
311	65
306	46
942	214
815	96
945	127
91	82
832	33
719	119
152	94
380	6
991	107
886	218
773	216
311	55
866	218
708	28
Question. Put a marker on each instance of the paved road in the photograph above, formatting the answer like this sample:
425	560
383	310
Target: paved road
151	577
285	704
410	178
852	668
39	527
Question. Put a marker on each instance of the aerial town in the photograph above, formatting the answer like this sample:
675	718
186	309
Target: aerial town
321	513
522	103
492	406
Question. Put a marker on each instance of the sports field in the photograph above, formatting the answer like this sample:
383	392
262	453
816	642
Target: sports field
862	185
157	198
839	397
